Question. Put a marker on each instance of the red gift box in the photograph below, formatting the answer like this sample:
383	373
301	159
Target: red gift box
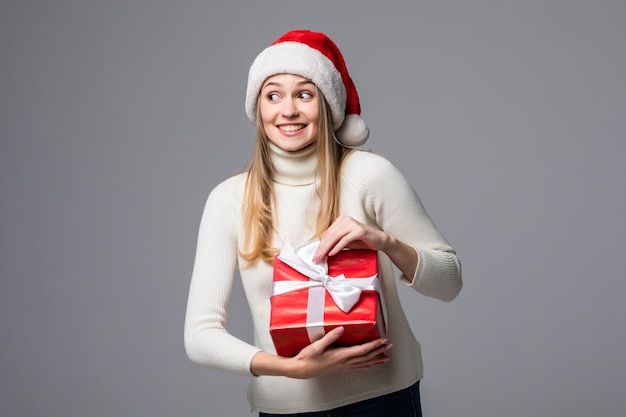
301	316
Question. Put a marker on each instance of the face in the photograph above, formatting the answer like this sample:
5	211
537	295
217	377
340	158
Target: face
289	111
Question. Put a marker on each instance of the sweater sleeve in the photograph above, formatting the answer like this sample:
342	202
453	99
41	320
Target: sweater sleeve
207	342
399	212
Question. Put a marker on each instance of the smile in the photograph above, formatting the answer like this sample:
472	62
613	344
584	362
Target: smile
291	128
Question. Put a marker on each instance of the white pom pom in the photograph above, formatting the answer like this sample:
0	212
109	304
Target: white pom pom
353	131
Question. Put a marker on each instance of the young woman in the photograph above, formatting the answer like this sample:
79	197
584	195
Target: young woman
305	180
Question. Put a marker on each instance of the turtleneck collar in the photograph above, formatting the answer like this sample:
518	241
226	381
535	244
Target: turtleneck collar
294	168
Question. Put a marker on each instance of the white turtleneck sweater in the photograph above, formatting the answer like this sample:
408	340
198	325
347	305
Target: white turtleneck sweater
373	192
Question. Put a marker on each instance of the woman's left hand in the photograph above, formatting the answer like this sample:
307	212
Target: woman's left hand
346	232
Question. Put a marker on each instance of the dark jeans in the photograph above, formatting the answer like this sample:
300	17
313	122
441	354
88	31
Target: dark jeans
403	403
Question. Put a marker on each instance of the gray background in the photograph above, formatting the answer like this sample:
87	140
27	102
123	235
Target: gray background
118	117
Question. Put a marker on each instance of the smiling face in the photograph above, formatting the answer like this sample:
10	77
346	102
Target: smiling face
289	110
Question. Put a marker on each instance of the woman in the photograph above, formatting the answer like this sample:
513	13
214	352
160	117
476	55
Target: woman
304	181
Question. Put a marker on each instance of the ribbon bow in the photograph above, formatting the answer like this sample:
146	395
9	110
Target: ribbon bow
344	292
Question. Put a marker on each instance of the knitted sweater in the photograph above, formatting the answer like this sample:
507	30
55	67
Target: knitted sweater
373	192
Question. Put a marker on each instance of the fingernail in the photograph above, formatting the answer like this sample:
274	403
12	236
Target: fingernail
338	330
316	257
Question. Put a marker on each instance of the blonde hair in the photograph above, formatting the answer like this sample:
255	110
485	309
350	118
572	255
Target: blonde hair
259	190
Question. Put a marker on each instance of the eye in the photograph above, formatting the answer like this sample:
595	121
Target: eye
273	96
306	95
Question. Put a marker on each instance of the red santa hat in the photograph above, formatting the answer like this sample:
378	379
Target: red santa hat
314	56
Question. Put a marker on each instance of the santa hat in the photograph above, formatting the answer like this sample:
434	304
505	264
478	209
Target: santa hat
314	56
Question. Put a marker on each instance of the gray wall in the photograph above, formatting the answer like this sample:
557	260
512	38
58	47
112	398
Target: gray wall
118	117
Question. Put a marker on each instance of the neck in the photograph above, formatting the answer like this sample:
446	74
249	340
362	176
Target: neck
294	168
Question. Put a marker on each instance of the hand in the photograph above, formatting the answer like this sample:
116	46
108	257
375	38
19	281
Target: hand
346	232
318	359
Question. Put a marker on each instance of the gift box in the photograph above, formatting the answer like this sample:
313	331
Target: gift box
310	299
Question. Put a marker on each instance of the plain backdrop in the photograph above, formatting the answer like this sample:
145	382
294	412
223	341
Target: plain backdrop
117	118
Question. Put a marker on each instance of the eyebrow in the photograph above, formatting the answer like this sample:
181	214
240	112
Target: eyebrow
277	84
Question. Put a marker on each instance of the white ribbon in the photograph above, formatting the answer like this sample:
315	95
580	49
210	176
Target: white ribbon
344	292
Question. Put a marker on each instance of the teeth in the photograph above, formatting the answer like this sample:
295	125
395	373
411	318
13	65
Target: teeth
291	128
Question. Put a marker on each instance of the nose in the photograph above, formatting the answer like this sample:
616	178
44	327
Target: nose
290	108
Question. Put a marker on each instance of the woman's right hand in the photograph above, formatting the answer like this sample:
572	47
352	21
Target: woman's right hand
318	358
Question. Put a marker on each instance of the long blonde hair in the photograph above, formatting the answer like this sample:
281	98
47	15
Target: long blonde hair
259	190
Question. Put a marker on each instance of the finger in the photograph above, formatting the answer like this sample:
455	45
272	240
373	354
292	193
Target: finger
344	242
353	235
341	227
366	352
329	338
375	354
328	243
380	344
341	240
